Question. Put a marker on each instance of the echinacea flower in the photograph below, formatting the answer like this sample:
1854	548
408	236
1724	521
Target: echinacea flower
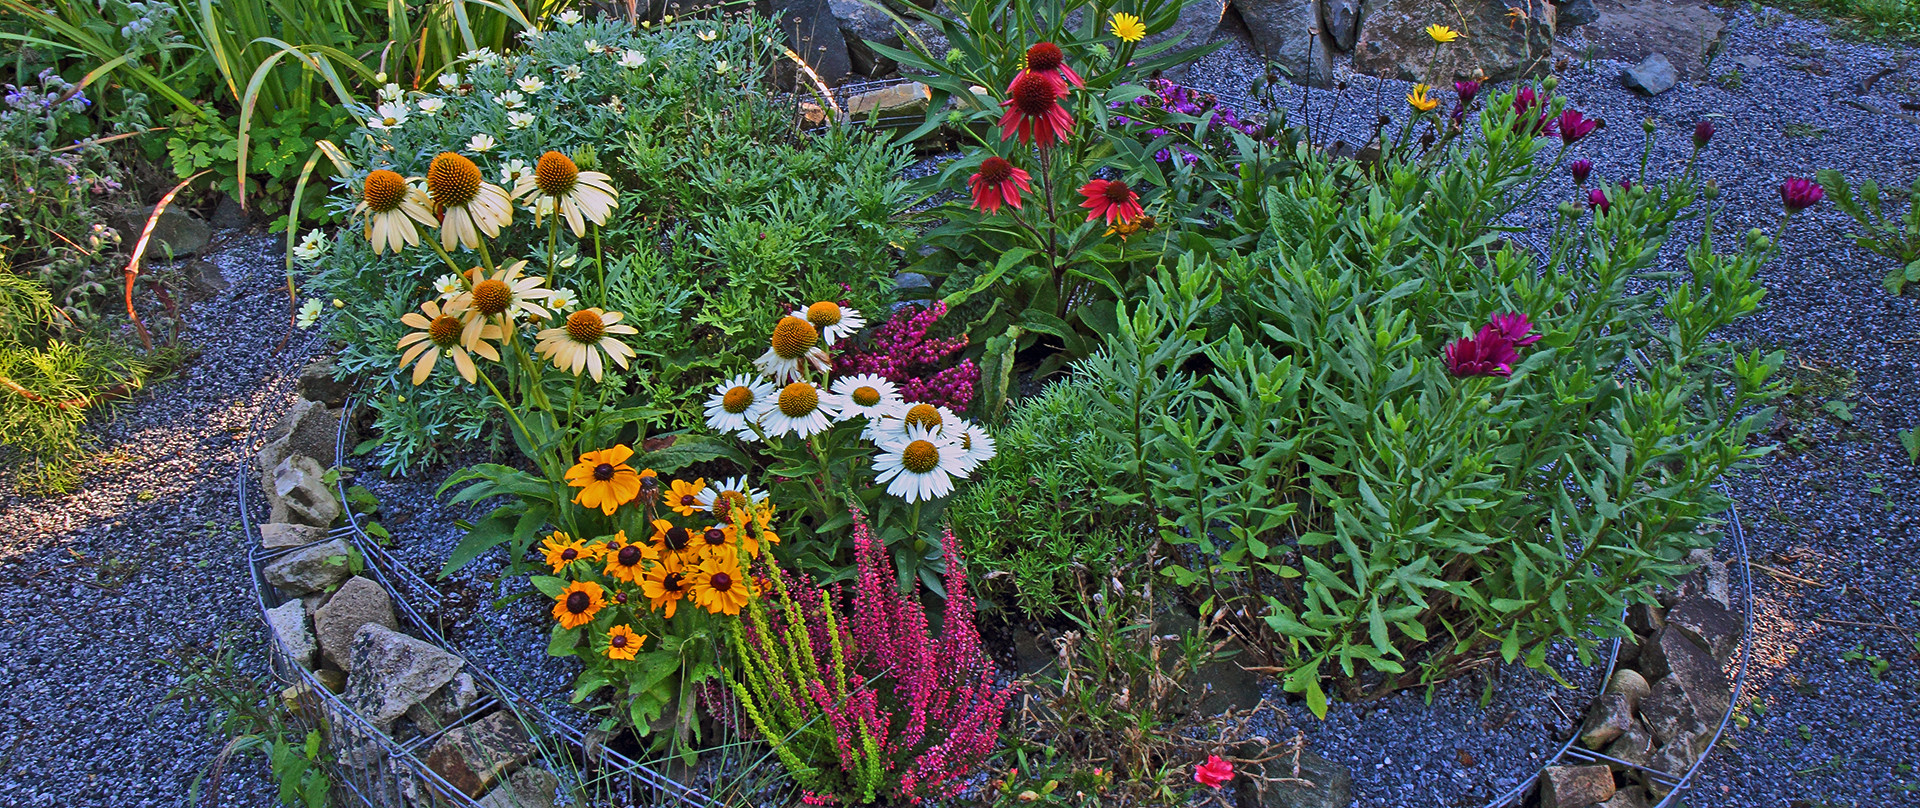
1597	199
664	587
1034	112
893	426
578	603
1110	199
684	497
1515	328
442	331
587	335
1702	134
392	206
1442	34
919	466
1574	127
976	445
866	395
469	207
1798	194
622	642
578	196
1487	353
506	295
1214	773
737	403
720	587
802	410
1419	99
604	479
726	499
834	321
1580	169
794	341
626	561
998	182
1127	27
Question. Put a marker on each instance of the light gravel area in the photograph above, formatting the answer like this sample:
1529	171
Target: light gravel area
108	592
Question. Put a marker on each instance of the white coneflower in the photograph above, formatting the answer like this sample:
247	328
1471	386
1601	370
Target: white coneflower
469	207
578	196
511	99
449	81
392	207
432	105
481	143
736	491
801	409
868	395
530	85
737	404
572	73
439	332
449	286
891	426
631	59
834	322
794	341
507	295
519	120
388	117
586	336
918	467
976	444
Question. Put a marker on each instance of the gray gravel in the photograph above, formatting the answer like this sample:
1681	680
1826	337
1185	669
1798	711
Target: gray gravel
107	590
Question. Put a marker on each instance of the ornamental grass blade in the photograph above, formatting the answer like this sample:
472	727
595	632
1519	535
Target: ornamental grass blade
132	271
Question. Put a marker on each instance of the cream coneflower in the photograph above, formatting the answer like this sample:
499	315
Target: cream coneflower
441	332
587	334
737	404
391	206
920	466
834	322
801	409
794	341
866	395
502	297
468	205
578	196
976	444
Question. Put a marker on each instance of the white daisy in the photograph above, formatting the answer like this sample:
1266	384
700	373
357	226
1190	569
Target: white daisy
591	46
919	467
531	85
512	171
562	300
737	404
481	143
794	341
572	73
309	313
388	117
868	395
311	246
511	99
391	92
448	285
719	488
568	17
481	56
720	66
976	444
632	59
449	81
432	105
835	323
709	35
894	425
800	410
519	120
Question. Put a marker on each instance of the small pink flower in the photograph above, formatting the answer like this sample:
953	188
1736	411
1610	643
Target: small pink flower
1798	194
1213	773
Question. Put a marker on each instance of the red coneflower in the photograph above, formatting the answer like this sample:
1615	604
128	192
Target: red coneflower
998	183
1112	199
1045	59
1034	112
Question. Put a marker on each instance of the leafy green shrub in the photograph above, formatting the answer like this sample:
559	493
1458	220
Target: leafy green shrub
1883	229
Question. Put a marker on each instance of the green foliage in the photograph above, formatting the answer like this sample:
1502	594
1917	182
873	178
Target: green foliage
1883	229
238	707
1030	513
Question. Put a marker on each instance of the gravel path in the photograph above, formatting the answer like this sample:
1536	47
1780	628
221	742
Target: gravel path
107	593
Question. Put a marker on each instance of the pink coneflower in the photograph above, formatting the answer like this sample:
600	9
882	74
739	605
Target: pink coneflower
997	183
1597	198
1045	59
1214	773
1488	353
1798	194
1112	199
1515	328
1034	112
1580	169
1574	126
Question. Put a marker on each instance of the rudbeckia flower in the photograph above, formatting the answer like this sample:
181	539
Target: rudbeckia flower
391	206
1419	100
580	343
835	323
1127	27
737	403
1442	34
626	561
997	183
604	479
801	410
672	542
559	550
720	587
1034	112
866	395
1111	199
794	340
684	497
469	207
623	643
578	196
576	606
664	588
717	542
442	331
921	466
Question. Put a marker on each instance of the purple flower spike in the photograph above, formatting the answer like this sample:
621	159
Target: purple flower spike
1798	194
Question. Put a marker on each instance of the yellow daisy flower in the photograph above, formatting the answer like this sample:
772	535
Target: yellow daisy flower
584	339
577	196
441	331
391	206
684	497
626	561
561	550
671	542
1442	34
664	587
576	606
468	205
623	643
1127	27
604	479
720	587
1418	98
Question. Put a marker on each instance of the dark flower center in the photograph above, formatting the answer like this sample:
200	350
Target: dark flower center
569	554
578	602
629	555
677	538
716	536
618	641
689	500
673	582
649	483
1118	193
619	597
995	170
1033	94
603	472
1045	56
720	581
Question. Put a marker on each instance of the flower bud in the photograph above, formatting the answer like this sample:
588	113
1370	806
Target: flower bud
1702	133
1712	190
1649	126
1569	210
1549	83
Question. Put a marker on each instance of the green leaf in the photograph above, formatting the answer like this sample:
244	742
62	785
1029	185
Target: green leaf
563	641
548	585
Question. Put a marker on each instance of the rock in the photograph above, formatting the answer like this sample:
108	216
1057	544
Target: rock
1671	657
1629	683
1341	19
359	602
1575	786
1713	575
1709	625
204	279
860	24
335	681
312	568
1629	651
228	215
899	100
1672	716
1393	40
279	536
1676	757
1634	746
317	382
1607	720
300	495
446	706
1573	14
912	286
1284	32
1750	61
308	428
1194	27
1629	797
1632	30
531	787
177	232
389	672
1332	784
1646	618
1224	685
473	757
288	622
814	33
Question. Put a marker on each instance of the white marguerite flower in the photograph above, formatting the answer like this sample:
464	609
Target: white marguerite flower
387	117
449	81
511	99
801	409
631	59
572	73
530	84
709	35
568	17
562	300
920	466
481	143
519	120
311	246
835	323
432	105
512	171
391	92
868	395
309	313
737	404
591	46
720	66
448	286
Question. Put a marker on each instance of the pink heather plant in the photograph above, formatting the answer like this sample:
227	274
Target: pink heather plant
902	352
862	701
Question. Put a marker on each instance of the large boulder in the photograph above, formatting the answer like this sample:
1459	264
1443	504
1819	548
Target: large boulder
389	672
1194	27
1607	720
1631	30
1710	625
1633	746
1320	783
861	23
1575	786
308	428
1500	41
312	568
279	536
1341	18
177	232
300	494
1288	33
1671	657
531	787
446	705
813	33
359	602
474	757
